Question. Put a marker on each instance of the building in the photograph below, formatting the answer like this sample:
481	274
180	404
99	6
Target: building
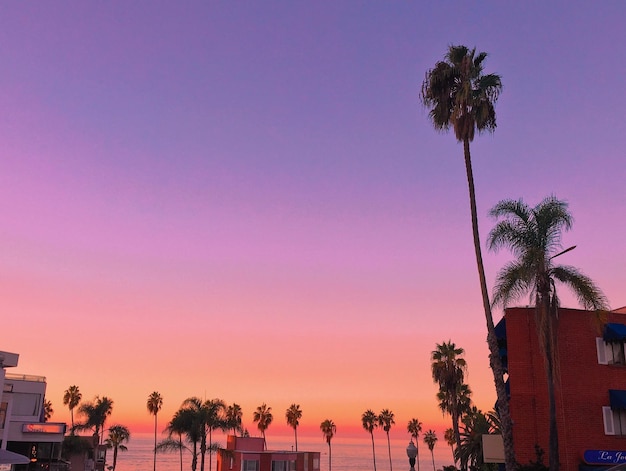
248	454
26	441
591	395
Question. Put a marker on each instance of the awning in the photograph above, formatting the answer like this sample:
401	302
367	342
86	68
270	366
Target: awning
8	457
617	398
614	332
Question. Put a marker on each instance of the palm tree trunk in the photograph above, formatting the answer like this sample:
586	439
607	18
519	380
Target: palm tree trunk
330	458
295	431
389	450
432	453
180	449
373	450
114	458
418	453
155	443
492	341
457	433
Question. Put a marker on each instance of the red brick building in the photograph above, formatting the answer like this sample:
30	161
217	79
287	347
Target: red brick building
591	397
247	454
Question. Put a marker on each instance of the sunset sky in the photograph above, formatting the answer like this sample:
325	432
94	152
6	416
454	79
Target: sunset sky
246	199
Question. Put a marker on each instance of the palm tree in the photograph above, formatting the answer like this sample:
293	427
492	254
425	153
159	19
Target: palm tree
328	429
370	422
293	416
154	404
263	416
534	236
448	436
385	420
118	435
47	410
475	425
414	427
184	422
233	418
448	370
71	398
430	438
96	415
464	399
460	96
207	417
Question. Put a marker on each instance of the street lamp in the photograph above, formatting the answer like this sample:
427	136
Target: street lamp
411	452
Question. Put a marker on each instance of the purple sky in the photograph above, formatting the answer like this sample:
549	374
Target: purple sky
212	181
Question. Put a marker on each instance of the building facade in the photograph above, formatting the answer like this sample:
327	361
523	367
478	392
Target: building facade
248	454
591	390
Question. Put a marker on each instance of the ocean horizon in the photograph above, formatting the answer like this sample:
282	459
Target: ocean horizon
347	454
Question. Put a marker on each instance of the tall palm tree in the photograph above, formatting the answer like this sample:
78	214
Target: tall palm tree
207	417
448	436
71	398
118	435
184	422
293	416
234	414
534	237
154	404
430	438
414	427
459	96
386	420
448	370
370	421
328	429
96	415
47	410
263	417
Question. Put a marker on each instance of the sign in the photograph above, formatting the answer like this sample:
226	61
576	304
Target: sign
43	428
606	457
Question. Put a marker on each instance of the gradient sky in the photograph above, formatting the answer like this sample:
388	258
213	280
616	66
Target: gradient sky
246	200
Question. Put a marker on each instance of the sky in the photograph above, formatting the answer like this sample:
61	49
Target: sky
246	200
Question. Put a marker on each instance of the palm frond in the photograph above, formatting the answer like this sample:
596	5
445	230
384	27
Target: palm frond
585	290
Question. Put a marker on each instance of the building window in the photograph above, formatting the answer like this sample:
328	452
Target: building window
250	465
26	404
610	353
614	421
279	466
3	414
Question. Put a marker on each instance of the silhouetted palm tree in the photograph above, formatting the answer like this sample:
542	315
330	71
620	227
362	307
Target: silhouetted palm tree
459	96
263	417
71	399
154	404
430	438
96	415
370	421
293	416
118	435
448	370
328	429
47	410
208	417
475	425
234	415
184	422
386	420
448	436
534	237
414	427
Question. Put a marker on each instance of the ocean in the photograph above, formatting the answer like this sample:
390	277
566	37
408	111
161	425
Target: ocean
347	454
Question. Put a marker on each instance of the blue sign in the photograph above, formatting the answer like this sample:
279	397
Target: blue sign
604	456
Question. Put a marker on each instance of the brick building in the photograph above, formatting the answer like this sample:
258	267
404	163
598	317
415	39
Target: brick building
591	396
248	454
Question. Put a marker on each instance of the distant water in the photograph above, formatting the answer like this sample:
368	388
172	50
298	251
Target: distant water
348	454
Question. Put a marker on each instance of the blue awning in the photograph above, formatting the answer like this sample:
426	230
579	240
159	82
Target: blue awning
614	332
617	398
500	329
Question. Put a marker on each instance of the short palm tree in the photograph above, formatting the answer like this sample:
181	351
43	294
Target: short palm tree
414	427
71	399
369	420
96	415
329	429
234	414
448	436
154	404
475	425
263	417
47	410
184	422
460	96
534	237
293	416
448	370
386	420
118	435
430	438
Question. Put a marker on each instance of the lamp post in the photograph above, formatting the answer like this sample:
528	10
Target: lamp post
411	452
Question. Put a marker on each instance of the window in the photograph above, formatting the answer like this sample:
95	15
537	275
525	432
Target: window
3	414
610	353
614	421
26	404
279	466
250	465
